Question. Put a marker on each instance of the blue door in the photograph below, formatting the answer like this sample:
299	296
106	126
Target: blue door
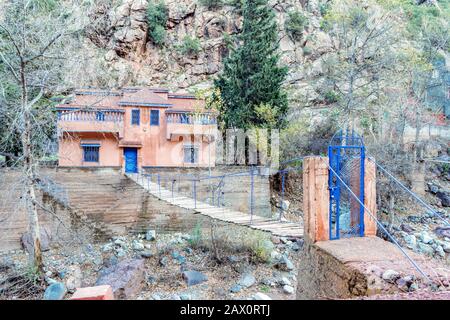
130	155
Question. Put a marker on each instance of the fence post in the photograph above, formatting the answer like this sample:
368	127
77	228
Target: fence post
283	177
173	182
195	193
251	195
159	185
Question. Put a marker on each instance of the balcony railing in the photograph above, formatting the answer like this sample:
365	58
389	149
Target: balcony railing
191	118
100	116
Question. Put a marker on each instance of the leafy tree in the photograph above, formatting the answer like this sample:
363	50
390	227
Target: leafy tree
157	15
251	82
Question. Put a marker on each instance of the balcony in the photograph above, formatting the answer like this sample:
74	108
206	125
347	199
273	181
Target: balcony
184	123
91	121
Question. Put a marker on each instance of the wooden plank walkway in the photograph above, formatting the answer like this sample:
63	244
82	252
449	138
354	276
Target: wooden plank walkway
275	227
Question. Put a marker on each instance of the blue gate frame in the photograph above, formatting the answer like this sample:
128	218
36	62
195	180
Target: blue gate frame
343	152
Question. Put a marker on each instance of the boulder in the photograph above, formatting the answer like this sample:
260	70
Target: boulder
285	264
55	291
27	241
442	231
425	248
425	237
444	197
138	245
410	240
126	278
261	296
288	289
247	280
193	277
150	235
236	288
390	275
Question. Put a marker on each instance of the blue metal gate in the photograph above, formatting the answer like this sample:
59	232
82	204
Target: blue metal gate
346	154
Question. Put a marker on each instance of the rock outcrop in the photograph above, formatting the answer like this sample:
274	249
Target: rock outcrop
119	30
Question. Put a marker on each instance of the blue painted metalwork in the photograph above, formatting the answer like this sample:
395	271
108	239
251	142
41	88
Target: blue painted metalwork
346	154
130	155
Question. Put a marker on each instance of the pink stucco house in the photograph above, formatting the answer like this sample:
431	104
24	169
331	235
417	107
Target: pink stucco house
134	128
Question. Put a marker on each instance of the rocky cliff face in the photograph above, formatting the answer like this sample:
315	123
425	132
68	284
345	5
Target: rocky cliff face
119	31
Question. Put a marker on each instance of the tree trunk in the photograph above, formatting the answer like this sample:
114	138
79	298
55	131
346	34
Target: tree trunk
30	176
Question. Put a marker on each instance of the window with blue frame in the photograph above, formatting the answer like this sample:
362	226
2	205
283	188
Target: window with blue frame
100	116
154	117
135	117
91	152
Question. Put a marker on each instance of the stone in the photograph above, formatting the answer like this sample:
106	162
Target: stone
125	278
138	246
440	251
288	289
275	255
147	254
236	288
247	280
151	280
150	235
424	248
74	278
261	296
425	237
93	293
407	228
193	277
402	284
178	257
185	296
390	275
163	261
446	246
120	242
433	188
55	291
444	197
413	287
285	281
285	264
27	241
442	231
410	240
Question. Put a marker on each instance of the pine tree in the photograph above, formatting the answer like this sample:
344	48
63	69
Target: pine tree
251	83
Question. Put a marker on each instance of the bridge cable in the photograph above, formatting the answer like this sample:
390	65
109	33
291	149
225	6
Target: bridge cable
378	222
426	205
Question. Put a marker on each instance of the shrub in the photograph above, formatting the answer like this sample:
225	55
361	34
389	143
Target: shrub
295	24
157	16
196	236
211	4
331	97
190	46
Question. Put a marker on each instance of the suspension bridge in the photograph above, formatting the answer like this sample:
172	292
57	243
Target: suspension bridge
277	227
345	199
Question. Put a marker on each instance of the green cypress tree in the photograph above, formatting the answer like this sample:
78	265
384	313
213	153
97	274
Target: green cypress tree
251	83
